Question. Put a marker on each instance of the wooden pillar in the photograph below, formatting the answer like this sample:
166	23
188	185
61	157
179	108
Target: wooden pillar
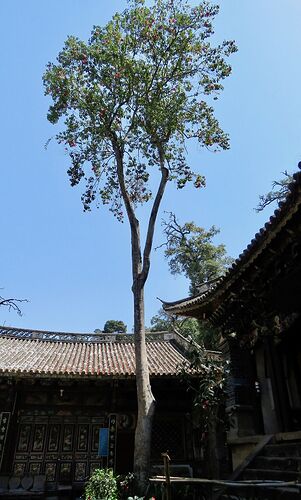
278	385
240	390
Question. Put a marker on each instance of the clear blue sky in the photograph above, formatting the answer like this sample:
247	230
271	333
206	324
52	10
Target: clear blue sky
74	268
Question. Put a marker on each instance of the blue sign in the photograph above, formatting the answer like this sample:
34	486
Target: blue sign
103	448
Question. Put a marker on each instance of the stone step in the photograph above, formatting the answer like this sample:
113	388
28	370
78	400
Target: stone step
282	450
262	493
271	474
277	463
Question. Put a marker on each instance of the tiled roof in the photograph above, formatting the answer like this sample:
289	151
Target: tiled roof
28	352
258	244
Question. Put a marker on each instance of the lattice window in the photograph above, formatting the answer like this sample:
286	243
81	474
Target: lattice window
168	435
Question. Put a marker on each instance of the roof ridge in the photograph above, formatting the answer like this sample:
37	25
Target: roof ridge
94	338
34	330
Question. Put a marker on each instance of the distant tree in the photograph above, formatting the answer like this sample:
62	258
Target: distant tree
190	251
191	328
131	97
113	325
161	322
164	322
277	194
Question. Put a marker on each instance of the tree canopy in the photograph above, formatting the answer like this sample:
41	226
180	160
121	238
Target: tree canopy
113	325
191	328
190	250
140	84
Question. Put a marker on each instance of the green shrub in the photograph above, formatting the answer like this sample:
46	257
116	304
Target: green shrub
102	485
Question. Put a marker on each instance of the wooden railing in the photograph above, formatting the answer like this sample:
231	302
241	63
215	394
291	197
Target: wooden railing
212	489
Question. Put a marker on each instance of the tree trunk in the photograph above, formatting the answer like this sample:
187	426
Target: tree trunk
145	398
146	401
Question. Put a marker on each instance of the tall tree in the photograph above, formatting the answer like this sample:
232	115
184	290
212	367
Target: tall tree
130	98
190	250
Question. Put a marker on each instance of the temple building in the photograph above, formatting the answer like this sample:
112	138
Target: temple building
68	404
257	308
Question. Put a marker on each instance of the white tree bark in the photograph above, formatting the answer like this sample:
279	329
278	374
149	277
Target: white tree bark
140	271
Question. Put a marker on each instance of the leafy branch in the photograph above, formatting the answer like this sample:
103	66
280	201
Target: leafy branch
278	193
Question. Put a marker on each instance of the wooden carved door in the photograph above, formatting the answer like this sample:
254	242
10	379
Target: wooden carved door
63	448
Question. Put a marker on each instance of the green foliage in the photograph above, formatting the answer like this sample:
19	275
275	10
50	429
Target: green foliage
207	381
113	326
191	328
206	377
105	485
161	322
278	193
190	251
102	485
205	335
126	486
135	92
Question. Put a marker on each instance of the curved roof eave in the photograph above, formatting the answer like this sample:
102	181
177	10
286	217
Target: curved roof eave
195	306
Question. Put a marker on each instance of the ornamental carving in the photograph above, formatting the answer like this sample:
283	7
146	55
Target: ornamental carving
4	421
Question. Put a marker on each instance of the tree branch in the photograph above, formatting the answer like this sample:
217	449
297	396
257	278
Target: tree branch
153	217
275	194
12	304
134	223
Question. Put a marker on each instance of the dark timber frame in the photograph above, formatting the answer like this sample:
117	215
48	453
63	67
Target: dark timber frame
257	307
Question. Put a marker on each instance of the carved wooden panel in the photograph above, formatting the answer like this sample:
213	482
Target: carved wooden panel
19	468
65	472
36	456
50	471
68	434
54	435
35	468
4	421
95	438
80	471
82	437
39	436
95	465
20	456
112	440
63	448
24	436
